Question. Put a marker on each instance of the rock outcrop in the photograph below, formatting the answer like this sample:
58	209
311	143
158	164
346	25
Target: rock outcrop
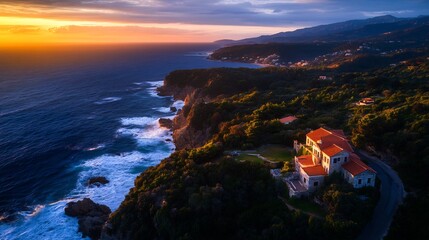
166	123
97	181
91	216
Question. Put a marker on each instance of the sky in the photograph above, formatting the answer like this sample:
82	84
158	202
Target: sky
26	22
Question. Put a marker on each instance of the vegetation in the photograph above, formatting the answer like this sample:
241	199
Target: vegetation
198	194
276	153
180	199
249	158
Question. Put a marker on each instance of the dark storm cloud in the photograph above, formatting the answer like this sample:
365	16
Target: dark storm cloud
223	12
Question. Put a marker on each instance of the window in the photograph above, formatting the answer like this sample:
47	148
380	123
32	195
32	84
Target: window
369	180
316	184
359	181
345	159
335	160
305	180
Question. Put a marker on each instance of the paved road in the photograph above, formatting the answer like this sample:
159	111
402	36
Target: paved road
391	195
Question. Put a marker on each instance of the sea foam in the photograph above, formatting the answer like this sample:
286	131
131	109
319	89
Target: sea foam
108	100
152	89
49	221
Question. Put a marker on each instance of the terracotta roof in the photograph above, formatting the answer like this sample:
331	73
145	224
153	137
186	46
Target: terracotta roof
315	171
332	150
305	160
317	134
327	141
355	166
288	119
339	132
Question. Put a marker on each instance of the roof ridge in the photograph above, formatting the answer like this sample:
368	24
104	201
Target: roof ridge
338	146
362	164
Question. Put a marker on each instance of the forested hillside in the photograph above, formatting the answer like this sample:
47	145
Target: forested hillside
200	193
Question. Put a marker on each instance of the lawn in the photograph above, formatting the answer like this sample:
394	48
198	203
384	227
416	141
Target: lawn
306	205
276	153
249	158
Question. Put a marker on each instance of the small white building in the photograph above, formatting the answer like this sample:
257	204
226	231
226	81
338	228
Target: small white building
329	152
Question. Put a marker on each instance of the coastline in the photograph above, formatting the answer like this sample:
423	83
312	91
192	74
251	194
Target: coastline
127	141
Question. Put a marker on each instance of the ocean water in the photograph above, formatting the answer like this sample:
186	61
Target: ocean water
71	113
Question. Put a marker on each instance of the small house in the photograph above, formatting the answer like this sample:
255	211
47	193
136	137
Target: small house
288	119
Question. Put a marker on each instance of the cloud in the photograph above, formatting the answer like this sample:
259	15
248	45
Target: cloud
116	30
190	19
220	12
19	29
380	13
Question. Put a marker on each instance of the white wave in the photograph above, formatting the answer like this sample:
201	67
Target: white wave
138	121
96	147
50	222
156	83
154	93
118	169
33	212
198	54
47	222
178	104
108	100
146	131
163	109
153	89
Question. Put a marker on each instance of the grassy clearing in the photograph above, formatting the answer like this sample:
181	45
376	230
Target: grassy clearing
276	153
249	158
306	205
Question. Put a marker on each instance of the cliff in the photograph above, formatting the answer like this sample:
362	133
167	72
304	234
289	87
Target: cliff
185	136
200	193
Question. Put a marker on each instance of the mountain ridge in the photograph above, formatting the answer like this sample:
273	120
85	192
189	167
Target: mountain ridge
346	30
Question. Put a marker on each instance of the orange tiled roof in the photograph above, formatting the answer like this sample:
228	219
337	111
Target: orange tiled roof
332	150
317	134
355	166
288	119
330	140
315	171
326	138
305	160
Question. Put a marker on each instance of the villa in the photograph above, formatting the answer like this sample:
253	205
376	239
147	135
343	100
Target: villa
328	151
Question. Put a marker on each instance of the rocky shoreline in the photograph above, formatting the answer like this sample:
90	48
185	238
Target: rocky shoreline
184	135
93	217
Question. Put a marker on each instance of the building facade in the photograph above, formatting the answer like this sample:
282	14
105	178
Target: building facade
327	152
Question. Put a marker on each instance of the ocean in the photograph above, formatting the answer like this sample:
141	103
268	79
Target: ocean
75	112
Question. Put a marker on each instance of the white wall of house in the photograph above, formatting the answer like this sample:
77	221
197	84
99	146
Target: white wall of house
365	179
310	182
334	163
297	165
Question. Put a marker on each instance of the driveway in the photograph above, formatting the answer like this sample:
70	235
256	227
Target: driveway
392	194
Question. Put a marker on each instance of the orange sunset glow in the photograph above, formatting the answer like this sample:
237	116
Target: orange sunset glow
35	24
26	22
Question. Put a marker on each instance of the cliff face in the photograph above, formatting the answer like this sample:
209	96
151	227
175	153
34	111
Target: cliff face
186	136
187	194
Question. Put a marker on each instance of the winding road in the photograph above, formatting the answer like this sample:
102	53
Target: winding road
392	194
